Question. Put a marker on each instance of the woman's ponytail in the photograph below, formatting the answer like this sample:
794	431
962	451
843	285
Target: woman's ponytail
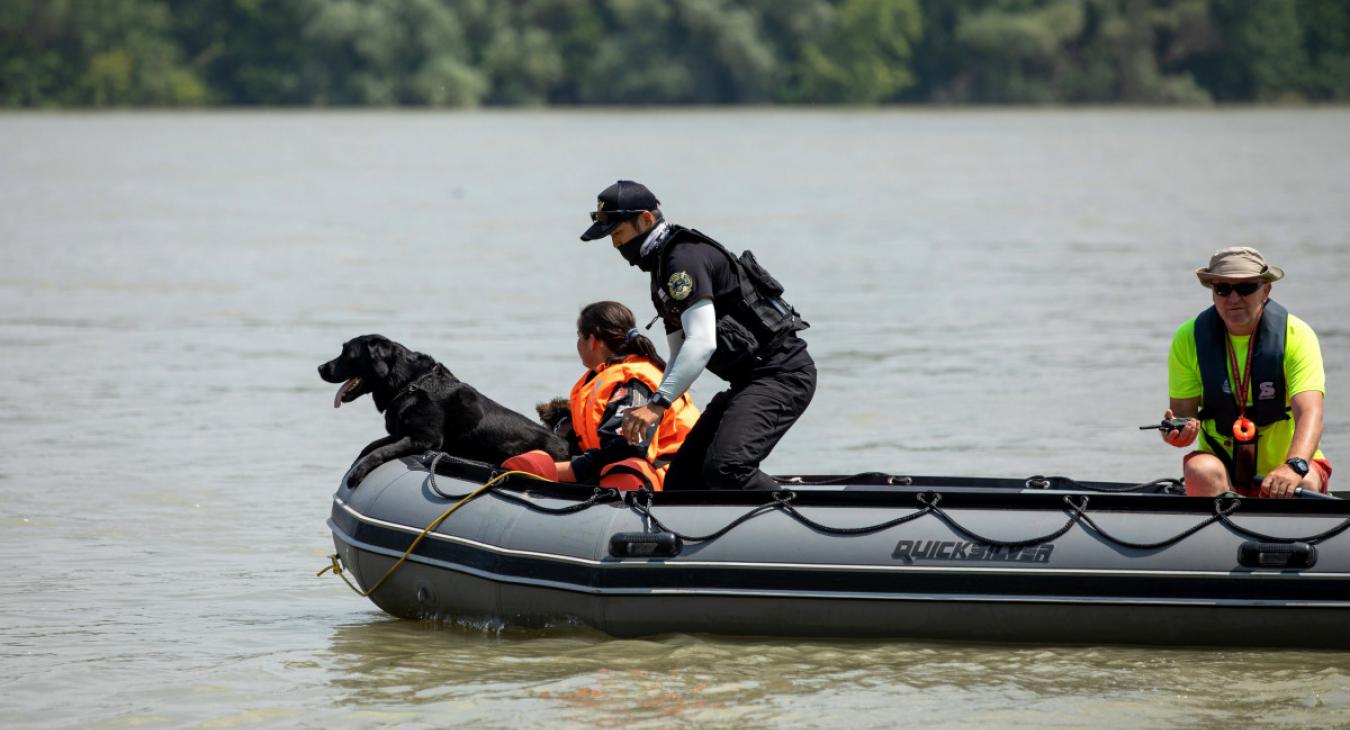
614	324
636	343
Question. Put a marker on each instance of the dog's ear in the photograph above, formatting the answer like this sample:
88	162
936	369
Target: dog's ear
379	351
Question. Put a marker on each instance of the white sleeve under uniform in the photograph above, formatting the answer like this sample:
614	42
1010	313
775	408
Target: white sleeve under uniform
691	348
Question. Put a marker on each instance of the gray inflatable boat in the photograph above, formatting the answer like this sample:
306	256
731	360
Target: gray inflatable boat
1044	559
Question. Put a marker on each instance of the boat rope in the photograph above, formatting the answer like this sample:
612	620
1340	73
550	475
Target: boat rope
1222	508
598	494
1076	506
860	477
436	457
641	499
336	564
1038	481
1169	485
785	504
1248	532
1074	511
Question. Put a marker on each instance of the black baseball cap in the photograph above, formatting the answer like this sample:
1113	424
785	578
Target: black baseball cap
619	202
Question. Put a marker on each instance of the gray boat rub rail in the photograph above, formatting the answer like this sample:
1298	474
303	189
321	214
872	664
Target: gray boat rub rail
640	501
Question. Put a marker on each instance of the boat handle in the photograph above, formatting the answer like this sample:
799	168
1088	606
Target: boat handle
644	545
1281	555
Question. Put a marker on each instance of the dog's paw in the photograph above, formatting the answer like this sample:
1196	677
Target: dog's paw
356	476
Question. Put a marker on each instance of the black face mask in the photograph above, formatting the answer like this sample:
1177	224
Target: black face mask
632	251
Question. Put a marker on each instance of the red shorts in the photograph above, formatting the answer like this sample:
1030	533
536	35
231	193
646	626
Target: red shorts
1322	466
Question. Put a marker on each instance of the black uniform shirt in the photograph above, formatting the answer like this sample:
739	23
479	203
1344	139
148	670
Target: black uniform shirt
692	271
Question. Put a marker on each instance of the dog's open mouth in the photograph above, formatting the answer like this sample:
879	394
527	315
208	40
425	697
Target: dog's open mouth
347	392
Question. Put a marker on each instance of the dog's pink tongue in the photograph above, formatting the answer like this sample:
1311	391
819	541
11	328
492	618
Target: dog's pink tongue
347	386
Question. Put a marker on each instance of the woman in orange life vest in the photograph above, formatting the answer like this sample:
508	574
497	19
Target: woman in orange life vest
623	369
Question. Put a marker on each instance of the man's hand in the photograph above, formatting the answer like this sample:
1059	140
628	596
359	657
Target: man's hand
1280	482
637	421
1183	437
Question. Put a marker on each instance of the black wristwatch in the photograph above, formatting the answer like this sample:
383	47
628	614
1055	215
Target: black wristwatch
1300	466
658	399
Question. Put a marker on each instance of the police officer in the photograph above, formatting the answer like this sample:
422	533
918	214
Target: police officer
723	313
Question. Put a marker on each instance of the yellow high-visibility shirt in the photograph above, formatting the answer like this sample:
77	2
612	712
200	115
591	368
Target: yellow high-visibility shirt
1302	372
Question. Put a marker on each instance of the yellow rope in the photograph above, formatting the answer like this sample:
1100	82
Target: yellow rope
336	566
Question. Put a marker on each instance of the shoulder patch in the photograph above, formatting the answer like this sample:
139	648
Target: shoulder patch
680	285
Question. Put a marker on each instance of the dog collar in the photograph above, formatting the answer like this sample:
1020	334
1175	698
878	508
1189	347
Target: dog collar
410	388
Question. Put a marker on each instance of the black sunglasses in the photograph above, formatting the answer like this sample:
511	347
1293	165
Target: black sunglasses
613	216
1246	288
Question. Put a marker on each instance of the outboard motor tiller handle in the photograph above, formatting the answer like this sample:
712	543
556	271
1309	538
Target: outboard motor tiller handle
1302	493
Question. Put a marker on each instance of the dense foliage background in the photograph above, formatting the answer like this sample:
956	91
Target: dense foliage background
637	52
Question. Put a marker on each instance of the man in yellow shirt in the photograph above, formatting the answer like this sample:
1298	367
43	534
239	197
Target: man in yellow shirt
1248	344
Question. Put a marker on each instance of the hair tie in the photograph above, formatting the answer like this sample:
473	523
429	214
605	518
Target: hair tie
633	334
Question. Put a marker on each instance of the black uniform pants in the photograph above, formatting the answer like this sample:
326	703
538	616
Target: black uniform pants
738	429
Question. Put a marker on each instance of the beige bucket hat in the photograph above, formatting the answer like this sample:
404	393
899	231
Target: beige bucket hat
1238	262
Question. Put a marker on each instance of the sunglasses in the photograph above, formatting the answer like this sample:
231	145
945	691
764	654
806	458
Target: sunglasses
1245	289
613	216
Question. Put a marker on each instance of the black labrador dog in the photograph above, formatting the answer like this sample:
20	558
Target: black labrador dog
427	408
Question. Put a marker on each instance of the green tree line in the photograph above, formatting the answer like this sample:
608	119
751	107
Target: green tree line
455	53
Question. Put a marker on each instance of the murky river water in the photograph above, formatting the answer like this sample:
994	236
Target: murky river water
992	293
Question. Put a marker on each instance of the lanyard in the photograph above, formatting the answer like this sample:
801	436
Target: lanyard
1243	429
1241	381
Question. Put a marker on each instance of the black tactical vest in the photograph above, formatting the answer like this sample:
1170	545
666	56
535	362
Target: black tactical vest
753	320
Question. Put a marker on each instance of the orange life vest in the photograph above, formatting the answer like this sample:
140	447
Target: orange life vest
591	395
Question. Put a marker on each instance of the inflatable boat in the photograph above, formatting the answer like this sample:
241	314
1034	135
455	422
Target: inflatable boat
1043	559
